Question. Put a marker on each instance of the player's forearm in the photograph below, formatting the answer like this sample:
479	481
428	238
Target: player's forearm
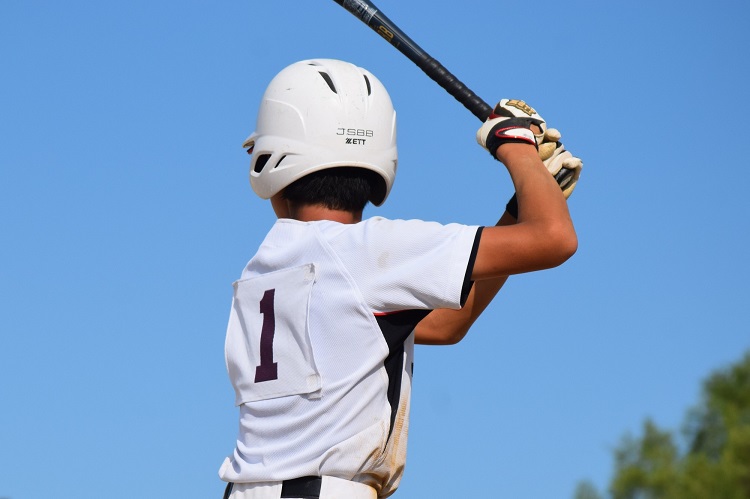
540	201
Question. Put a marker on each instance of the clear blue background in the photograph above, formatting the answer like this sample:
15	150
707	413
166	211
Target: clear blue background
125	215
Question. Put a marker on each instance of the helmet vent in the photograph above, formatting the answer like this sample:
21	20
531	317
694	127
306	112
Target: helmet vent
367	82
261	163
329	81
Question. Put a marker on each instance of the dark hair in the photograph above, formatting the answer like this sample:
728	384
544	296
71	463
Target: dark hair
343	188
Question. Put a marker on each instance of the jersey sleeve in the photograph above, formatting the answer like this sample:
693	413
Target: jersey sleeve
409	264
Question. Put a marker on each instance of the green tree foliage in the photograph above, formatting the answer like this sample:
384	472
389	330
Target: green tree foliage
715	460
586	490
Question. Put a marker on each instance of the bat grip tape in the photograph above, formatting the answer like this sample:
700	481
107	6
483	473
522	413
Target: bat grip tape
453	86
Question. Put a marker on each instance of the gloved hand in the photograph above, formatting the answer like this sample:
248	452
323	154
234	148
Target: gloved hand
511	121
559	162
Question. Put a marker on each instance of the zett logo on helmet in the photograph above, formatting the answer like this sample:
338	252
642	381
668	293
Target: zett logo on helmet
351	133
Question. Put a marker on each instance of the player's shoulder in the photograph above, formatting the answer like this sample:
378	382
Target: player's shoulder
395	226
378	221
413	225
384	232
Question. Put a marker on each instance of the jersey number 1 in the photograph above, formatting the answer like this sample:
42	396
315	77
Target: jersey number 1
268	369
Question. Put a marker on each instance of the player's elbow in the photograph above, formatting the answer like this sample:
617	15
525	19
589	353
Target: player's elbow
454	336
446	335
561	242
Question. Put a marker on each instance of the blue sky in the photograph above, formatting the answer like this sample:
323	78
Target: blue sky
126	214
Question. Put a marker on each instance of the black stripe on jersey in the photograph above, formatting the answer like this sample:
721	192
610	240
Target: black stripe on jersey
468	283
396	328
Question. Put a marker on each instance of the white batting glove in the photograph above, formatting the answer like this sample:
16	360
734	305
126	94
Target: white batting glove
511	121
565	167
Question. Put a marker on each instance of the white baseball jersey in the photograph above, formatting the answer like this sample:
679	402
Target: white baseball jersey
319	346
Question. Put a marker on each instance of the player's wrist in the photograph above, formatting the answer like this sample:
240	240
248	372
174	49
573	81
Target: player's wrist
511	153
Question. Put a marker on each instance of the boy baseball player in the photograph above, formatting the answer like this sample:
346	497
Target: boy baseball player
319	346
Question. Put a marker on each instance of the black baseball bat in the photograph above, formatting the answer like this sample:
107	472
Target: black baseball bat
369	14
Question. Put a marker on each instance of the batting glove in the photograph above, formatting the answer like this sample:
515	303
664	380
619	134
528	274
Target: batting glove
511	121
565	167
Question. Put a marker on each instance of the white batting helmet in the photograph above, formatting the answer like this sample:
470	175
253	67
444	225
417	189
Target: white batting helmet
320	114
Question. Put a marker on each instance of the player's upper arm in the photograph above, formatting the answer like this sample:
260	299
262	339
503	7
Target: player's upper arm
520	248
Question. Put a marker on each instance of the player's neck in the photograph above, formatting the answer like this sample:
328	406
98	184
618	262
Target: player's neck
313	213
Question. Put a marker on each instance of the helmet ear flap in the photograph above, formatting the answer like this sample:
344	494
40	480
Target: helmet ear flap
379	190
257	163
